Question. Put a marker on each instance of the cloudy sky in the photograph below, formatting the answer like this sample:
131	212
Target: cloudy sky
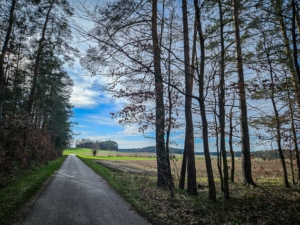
92	108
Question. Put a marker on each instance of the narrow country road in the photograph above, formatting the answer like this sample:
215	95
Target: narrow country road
77	195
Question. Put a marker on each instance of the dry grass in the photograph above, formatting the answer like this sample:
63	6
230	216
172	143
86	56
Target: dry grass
261	170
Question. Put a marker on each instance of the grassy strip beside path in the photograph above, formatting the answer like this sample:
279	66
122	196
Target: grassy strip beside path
130	186
13	197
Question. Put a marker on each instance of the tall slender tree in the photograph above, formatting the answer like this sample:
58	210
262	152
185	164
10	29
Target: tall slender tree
189	130
222	103
246	159
164	176
200	72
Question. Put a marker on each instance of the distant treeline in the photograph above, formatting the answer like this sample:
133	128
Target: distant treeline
266	154
150	149
96	144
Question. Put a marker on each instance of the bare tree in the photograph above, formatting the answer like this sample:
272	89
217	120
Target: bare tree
189	130
201	100
246	160
164	176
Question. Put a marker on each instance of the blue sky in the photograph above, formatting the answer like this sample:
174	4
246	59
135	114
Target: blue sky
92	108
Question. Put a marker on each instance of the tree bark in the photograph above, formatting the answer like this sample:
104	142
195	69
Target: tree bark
278	125
294	133
189	129
184	159
222	105
294	41
246	160
231	146
210	175
219	156
164	176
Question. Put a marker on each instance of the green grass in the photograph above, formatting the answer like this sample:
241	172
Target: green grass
108	155
116	155
13	197
78	151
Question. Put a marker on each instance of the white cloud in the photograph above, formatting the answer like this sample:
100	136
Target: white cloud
131	130
82	97
103	120
136	144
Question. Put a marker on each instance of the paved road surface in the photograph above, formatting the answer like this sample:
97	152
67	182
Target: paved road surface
76	195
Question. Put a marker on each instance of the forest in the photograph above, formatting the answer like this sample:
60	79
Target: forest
34	87
227	70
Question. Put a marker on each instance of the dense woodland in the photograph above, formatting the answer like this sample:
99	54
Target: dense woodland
227	70
34	88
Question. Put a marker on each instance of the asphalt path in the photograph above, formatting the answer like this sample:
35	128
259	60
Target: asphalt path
77	195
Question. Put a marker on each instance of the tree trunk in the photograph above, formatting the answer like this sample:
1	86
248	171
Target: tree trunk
37	61
297	18
222	105
209	170
189	129
169	98
278	126
164	176
184	159
2	57
294	41
246	160
219	156
231	147
183	169
294	133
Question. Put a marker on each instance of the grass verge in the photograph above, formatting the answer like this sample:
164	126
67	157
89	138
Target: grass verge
270	203
13	197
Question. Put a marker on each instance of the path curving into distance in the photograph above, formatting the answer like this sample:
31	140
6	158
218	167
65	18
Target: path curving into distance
77	195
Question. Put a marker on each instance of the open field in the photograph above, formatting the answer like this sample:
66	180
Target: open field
262	170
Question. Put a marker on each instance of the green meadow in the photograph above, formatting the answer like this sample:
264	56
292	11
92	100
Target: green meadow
109	155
